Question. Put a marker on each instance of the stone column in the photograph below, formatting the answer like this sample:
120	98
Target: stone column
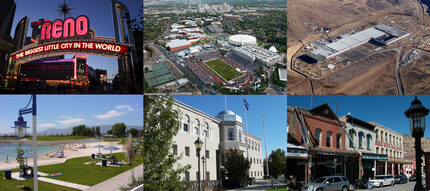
386	167
374	166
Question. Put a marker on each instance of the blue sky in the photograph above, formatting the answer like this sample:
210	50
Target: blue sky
62	111
385	110
275	107
99	14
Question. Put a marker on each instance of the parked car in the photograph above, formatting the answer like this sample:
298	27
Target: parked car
413	178
327	183
382	180
361	183
401	179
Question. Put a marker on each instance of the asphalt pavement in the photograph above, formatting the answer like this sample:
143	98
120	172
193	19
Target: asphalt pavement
397	187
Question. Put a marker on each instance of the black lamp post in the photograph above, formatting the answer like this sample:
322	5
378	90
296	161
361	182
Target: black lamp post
203	161
198	143
416	114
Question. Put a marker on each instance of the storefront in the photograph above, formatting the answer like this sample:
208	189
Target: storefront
373	164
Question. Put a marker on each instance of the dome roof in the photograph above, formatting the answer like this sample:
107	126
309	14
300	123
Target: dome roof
228	115
20	118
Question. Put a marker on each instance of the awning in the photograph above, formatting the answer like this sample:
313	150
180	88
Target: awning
375	157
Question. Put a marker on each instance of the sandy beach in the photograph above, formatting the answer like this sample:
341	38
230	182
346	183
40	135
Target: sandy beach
70	151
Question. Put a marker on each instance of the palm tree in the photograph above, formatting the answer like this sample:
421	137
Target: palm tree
64	9
129	153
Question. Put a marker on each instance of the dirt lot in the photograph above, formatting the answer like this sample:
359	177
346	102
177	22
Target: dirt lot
416	75
373	79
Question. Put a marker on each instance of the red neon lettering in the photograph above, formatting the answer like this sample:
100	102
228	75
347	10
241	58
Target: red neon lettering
65	29
46	31
69	23
57	29
81	25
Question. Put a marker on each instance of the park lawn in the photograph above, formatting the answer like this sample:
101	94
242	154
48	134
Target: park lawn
10	185
226	71
75	171
60	138
279	189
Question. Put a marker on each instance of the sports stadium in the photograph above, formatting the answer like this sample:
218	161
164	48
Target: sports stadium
242	40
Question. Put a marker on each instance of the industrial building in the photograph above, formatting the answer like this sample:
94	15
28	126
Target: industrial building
178	44
381	33
259	55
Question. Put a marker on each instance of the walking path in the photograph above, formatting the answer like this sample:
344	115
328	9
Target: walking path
63	183
120	180
263	185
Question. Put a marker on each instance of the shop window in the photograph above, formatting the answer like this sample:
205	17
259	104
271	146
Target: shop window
328	139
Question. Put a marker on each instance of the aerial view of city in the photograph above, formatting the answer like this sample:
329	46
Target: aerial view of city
358	47
215	47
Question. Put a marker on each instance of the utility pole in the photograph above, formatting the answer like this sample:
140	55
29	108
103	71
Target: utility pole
34	111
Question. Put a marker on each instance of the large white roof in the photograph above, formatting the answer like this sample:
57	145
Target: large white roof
176	43
242	39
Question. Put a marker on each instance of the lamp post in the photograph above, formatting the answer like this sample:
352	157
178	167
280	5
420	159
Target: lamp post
416	114
198	143
203	161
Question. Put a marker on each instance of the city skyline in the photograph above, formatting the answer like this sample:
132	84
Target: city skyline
275	111
100	20
89	110
385	110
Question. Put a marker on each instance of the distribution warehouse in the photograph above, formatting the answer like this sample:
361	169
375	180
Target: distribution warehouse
381	33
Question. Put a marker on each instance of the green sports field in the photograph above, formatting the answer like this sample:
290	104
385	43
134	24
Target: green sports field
226	71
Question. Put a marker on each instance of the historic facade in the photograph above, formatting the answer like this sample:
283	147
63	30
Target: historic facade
218	134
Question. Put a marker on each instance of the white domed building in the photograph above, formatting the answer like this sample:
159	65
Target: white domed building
242	40
219	134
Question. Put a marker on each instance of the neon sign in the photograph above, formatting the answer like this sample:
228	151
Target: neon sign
95	46
69	28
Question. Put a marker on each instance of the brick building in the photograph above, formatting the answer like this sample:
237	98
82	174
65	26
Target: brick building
320	132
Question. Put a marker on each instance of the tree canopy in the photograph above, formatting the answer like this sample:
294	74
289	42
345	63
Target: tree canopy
161	124
236	165
118	129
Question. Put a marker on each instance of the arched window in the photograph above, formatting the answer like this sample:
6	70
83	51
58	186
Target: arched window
317	136
230	134
186	123
196	128
240	136
377	134
352	135
328	139
360	139
338	140
369	138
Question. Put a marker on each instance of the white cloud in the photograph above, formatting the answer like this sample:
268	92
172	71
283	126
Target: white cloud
70	120
110	114
46	125
125	107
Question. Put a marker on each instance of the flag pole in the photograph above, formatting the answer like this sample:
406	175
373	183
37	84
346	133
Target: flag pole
265	147
246	127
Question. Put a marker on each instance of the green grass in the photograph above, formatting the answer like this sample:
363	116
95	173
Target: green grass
75	171
226	71
10	185
279	189
60	138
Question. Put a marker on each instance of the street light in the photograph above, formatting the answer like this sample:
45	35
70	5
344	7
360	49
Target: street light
198	143
203	161
416	114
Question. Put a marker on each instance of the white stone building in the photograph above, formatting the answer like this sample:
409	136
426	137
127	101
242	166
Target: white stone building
218	134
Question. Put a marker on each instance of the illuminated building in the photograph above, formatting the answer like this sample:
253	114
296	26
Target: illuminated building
75	71
7	13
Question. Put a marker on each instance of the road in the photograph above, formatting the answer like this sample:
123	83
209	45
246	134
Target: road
397	187
262	185
400	90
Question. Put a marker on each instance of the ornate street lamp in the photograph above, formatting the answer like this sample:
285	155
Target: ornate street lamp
416	114
198	143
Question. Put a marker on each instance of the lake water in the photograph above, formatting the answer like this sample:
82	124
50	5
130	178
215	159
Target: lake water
10	150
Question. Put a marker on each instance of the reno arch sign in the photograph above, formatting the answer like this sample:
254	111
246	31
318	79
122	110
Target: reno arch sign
71	36
69	28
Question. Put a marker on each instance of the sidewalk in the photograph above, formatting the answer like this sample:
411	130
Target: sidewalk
63	183
263	185
114	183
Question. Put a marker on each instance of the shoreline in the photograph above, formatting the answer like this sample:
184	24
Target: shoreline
49	143
72	149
